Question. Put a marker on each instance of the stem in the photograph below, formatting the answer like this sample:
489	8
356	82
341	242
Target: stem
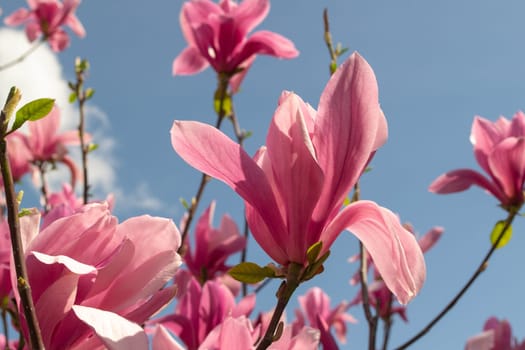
42	169
387	322
328	41
84	149
372	321
22	57
243	255
284	293
24	289
482	266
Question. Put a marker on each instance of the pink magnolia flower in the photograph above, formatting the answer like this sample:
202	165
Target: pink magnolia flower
45	144
217	35
201	308
496	335
238	333
295	186
499	148
213	246
379	295
87	272
45	18
315	308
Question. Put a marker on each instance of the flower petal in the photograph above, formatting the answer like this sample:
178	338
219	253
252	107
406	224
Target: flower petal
116	332
296	173
265	43
395	251
210	151
188	62
460	180
349	124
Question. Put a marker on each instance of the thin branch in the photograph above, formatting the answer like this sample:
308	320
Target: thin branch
284	293
22	57
482	266
371	319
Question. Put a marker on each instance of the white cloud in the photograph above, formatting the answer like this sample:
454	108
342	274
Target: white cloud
41	75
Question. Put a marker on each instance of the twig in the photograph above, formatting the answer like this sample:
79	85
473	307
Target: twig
284	293
22	57
371	319
482	266
81	96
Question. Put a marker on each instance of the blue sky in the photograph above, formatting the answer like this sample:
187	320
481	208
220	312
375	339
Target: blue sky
438	64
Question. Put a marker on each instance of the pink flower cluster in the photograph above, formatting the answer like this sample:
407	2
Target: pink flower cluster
45	19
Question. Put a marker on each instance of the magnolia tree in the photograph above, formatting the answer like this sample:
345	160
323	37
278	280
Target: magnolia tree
72	276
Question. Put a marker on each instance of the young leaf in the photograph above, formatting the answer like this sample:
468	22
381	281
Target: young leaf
313	252
248	272
497	230
89	93
72	97
32	111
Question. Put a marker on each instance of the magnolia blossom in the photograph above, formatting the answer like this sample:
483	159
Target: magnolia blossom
499	148
90	274
315	308
238	333
45	18
200	309
44	143
213	246
295	186
379	296
217	35
496	335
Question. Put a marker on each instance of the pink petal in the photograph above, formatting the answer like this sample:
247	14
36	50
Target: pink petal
54	304
33	31
517	127
266	43
485	135
348	124
233	333
297	176
249	14
507	165
115	331
76	26
460	180
195	13
210	151
18	17
189	61
71	264
482	341
162	340
395	251
428	240
59	40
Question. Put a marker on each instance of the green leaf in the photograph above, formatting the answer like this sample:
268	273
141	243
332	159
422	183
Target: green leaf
315	268
496	232
32	111
89	93
184	203
313	252
92	147
346	201
248	272
72	97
